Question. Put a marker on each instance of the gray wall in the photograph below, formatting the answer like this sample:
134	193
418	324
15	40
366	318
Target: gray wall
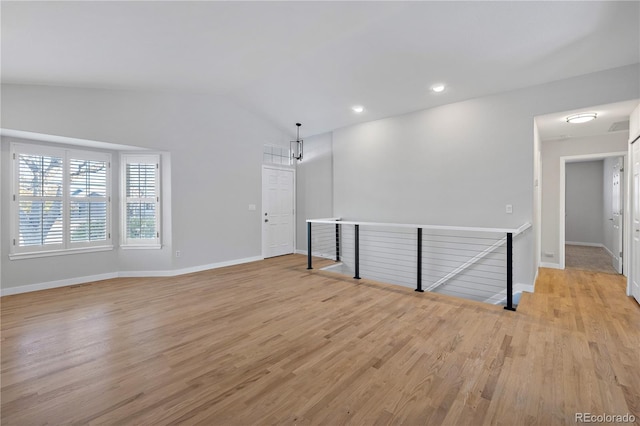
551	153
461	163
314	184
584	196
457	164
216	157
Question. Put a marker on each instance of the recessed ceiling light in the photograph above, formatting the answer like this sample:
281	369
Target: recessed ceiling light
357	108
437	88
583	117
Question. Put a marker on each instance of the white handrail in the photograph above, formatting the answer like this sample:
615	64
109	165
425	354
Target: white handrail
514	231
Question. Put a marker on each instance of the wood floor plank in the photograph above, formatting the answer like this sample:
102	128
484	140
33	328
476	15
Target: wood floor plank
272	343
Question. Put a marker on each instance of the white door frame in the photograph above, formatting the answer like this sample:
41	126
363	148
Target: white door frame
626	220
538	213
619	264
629	172
262	205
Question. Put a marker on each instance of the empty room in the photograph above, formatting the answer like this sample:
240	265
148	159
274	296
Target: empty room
319	213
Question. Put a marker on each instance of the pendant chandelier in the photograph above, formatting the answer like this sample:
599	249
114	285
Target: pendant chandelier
296	146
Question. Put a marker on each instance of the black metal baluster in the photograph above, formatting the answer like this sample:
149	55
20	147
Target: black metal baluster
510	306
357	228
419	283
337	242
309	245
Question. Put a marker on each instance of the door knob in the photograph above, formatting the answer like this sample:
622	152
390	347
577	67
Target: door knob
266	220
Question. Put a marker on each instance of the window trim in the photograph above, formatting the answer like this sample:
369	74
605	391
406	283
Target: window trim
67	246
131	243
61	252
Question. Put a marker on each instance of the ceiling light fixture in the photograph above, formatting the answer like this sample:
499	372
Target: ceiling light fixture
583	117
437	88
358	108
296	150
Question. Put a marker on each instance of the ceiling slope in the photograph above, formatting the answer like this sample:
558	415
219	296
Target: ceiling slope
311	61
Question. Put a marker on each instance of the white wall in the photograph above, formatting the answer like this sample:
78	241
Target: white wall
314	180
584	196
216	157
551	153
461	163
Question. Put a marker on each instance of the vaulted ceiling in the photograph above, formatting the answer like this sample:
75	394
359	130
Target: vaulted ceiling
611	118
312	61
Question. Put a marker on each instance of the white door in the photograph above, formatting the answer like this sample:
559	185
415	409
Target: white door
277	211
616	208
635	221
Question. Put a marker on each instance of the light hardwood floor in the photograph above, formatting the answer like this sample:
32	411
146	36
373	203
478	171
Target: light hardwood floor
272	343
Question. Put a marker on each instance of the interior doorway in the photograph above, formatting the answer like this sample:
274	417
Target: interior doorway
609	243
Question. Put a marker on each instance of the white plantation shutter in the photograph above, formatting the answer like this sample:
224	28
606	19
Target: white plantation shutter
40	198
61	200
142	200
88	200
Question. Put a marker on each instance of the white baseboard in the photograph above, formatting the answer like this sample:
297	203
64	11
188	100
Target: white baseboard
216	265
550	265
316	254
501	297
578	243
147	274
124	274
608	251
523	287
55	284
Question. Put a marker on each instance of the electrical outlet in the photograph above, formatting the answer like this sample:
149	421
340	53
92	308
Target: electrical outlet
178	253
252	207
548	254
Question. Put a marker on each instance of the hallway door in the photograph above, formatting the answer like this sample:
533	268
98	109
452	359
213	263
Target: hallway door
616	198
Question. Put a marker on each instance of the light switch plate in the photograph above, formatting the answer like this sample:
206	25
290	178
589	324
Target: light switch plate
509	209
252	207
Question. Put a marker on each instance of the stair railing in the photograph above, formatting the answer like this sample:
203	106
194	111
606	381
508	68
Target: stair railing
453	253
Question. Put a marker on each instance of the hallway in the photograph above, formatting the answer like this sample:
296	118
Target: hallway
588	258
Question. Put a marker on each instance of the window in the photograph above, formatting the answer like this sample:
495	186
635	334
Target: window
273	154
61	200
141	201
